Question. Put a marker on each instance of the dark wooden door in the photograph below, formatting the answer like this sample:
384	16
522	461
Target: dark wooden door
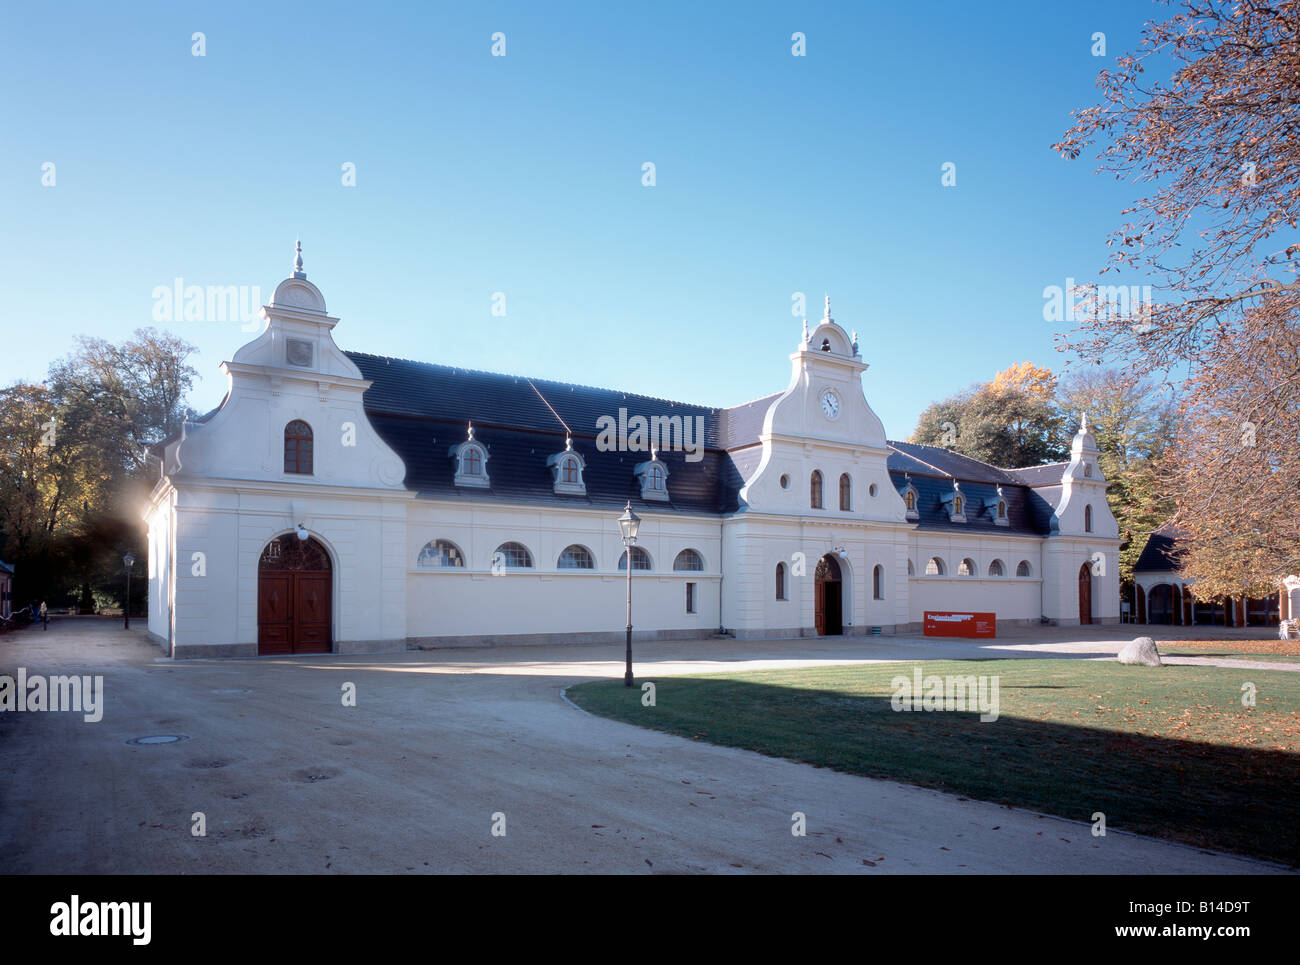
1085	593
294	606
819	607
311	609
274	609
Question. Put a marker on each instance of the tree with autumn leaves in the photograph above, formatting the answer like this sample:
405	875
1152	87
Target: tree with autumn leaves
1026	415
1212	136
72	463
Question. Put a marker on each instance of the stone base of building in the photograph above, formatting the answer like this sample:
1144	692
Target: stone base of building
553	639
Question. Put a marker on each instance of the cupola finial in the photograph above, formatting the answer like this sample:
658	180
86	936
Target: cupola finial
828	307
297	260
1083	422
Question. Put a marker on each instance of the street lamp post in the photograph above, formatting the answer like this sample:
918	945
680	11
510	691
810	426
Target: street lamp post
629	523
128	561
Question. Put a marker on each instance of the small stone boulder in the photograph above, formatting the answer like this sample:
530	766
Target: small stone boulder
1142	650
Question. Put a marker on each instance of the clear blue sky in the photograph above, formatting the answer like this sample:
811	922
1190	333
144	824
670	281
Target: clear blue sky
522	174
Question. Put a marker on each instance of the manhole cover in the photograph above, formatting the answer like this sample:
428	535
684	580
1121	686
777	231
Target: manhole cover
159	739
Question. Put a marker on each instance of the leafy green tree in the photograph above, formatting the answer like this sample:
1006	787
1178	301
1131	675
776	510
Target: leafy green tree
72	460
1010	422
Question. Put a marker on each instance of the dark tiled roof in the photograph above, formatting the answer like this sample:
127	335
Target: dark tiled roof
428	391
741	424
421	411
944	462
1160	555
1022	519
1043	501
1045	475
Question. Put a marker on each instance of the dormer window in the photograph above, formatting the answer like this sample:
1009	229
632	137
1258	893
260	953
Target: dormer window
955	502
910	497
995	508
1087	469
653	476
566	470
1087	519
826	345
471	461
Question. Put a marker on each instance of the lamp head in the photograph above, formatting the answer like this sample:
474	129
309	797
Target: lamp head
629	523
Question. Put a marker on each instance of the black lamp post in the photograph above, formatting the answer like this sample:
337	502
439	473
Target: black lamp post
629	523
128	561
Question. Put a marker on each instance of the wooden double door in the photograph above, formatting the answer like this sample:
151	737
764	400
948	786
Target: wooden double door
294	597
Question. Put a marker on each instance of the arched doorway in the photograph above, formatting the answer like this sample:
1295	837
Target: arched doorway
1085	593
1160	604
828	598
294	597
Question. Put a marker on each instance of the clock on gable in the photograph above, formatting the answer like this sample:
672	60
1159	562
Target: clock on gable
830	404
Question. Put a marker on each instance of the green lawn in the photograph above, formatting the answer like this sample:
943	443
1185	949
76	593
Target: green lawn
1283	651
1169	752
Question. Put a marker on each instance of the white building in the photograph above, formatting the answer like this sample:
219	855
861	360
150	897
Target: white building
345	502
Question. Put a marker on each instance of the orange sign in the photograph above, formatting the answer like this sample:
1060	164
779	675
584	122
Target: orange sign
957	624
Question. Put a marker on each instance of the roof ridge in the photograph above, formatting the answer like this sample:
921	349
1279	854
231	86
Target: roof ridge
529	378
919	459
1041	465
757	398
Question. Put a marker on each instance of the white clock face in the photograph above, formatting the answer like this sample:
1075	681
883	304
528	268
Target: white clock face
830	404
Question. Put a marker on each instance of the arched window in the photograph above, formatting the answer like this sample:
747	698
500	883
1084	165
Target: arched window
655	479
688	560
1002	509
846	492
967	568
878	582
569	471
934	567
815	485
472	462
440	552
512	556
957	504
996	568
780	581
1024	569
640	559
910	499
297	448
1087	519
575	557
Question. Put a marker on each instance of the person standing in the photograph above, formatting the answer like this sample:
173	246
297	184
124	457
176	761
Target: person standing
45	617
